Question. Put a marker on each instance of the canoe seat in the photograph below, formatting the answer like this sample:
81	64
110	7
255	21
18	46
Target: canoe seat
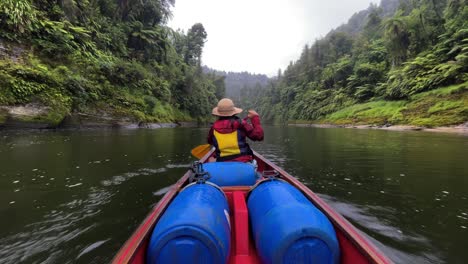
231	173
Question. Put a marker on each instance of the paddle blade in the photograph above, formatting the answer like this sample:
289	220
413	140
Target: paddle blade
200	151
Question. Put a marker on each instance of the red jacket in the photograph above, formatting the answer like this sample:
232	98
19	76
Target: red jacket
254	131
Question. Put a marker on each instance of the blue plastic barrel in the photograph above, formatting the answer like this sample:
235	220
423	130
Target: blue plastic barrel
288	228
231	173
194	228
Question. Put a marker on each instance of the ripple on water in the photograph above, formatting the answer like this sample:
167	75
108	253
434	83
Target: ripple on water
162	191
372	224
119	179
173	166
58	227
74	185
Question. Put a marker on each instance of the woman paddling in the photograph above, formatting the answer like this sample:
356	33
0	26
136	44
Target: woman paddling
228	134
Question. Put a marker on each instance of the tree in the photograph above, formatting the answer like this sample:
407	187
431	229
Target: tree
196	38
397	36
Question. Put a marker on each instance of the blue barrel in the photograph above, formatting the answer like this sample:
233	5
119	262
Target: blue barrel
288	228
231	173
195	228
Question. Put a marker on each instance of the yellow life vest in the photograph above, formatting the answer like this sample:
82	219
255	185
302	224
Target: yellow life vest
230	145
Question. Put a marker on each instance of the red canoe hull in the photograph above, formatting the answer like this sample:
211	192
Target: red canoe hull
354	247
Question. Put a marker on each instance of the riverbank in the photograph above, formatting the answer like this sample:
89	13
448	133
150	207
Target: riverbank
33	116
458	129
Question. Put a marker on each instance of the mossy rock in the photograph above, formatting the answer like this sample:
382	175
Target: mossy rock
31	116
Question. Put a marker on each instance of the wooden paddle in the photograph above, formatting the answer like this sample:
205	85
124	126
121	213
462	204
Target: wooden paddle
200	151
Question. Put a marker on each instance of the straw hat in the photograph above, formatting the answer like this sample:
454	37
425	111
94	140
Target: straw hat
226	108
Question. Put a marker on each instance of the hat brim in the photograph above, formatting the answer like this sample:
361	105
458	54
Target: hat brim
235	111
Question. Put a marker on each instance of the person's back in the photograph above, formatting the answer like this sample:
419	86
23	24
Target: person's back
228	134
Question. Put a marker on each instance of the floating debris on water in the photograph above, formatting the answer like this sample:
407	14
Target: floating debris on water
172	166
35	170
107	160
464	227
359	183
445	192
97	162
402	175
52	179
77	167
17	190
347	179
12	202
74	185
15	181
92	247
382	192
437	199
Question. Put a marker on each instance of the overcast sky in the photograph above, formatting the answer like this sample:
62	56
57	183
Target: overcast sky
261	36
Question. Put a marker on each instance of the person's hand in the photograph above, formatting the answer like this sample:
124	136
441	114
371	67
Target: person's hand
252	113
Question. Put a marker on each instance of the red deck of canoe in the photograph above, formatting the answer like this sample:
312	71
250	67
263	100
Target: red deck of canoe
354	247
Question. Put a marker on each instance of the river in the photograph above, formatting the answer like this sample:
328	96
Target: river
74	196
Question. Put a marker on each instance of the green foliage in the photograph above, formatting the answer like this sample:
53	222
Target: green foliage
397	38
444	105
16	17
196	38
113	57
401	57
379	112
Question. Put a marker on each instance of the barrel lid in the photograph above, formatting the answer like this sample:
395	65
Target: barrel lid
207	183
262	182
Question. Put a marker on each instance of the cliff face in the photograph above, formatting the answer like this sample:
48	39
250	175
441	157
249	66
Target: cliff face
12	52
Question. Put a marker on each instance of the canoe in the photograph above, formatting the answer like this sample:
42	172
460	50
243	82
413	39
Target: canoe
354	247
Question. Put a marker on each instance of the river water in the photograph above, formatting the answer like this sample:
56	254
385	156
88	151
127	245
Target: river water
76	196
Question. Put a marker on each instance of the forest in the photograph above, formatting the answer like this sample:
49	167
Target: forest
104	58
401	62
236	81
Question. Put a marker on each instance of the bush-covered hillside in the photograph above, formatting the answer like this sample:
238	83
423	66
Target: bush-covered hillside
385	60
104	58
